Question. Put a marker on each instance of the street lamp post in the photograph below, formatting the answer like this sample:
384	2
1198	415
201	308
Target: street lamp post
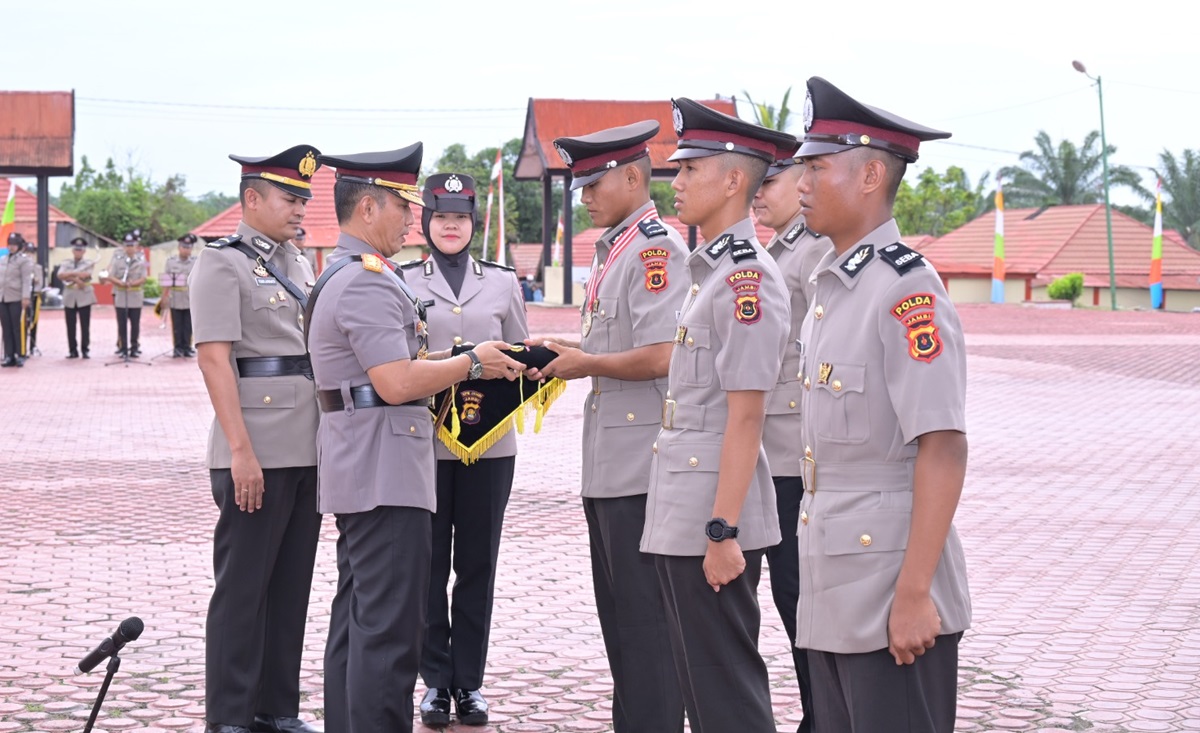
1112	270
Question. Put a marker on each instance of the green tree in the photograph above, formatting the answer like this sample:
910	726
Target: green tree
939	203
213	203
1064	174
768	115
1181	194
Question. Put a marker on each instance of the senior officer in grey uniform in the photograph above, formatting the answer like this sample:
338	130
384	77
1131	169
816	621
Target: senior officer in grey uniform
248	293
78	297
468	301
16	274
883	586
635	287
710	513
796	250
127	275
369	349
175	289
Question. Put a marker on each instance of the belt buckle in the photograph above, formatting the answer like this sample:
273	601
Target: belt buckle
668	414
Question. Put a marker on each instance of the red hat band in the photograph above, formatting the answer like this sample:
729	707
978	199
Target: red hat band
853	129
727	138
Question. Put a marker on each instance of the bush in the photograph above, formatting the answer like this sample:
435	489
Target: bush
1068	287
150	288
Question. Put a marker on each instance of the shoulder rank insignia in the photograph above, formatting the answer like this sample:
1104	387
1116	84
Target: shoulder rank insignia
745	285
794	233
409	263
372	263
497	265
652	228
743	250
478	268
855	264
655	261
901	257
428	267
225	241
916	312
262	244
717	248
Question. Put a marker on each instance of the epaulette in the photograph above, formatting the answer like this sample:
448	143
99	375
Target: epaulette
742	250
652	228
372	263
497	265
901	257
717	248
410	263
225	241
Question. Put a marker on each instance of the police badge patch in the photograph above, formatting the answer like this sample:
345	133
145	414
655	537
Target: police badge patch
472	403
655	260
745	285
916	312
453	184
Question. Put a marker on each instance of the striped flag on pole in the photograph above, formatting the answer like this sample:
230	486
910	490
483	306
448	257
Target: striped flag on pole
487	217
556	253
8	220
1156	287
998	251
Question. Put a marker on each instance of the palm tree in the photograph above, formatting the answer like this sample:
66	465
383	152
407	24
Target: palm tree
1067	174
1181	189
768	116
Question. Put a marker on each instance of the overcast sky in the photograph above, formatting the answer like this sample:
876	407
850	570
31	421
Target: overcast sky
175	87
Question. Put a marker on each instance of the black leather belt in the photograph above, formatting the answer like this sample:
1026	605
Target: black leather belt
275	366
363	395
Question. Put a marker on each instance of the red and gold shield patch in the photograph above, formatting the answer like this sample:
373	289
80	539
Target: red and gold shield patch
748	310
924	344
655	260
745	284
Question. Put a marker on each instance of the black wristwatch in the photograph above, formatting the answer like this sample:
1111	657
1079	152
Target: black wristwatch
476	370
718	530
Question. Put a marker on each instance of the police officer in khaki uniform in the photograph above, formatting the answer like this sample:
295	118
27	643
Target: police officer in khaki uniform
468	301
78	297
633	292
248	292
369	348
127	274
883	587
175	290
710	512
16	273
796	250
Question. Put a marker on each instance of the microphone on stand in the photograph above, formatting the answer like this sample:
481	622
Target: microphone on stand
129	630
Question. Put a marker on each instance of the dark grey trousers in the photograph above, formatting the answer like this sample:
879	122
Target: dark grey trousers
784	561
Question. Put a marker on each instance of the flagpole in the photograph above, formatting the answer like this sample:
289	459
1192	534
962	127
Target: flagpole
1156	284
500	248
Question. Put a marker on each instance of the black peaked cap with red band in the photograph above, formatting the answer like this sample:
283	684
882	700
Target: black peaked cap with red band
291	171
591	156
703	131
395	170
835	122
785	157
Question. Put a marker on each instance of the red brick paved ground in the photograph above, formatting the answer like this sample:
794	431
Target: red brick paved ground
1081	518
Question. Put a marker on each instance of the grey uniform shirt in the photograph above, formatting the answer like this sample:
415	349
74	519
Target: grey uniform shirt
489	306
796	252
375	456
231	303
178	269
730	337
637	302
884	363
77	294
16	274
122	269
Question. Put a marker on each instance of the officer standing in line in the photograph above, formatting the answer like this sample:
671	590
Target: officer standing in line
710	513
796	250
174	278
468	301
883	586
78	297
16	273
633	292
369	350
127	274
33	311
248	292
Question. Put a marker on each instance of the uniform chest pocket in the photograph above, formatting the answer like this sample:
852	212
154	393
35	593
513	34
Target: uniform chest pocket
414	425
841	404
693	457
696	357
606	323
866	532
270	310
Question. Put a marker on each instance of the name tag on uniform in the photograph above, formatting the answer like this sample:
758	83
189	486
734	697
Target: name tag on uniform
266	281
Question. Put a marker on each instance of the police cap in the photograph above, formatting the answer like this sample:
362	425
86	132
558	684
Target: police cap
449	192
591	156
784	157
79	243
291	171
187	240
395	170
703	132
15	238
132	237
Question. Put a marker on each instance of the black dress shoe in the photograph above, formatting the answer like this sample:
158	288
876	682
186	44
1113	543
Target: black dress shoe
222	728
85	355
72	355
279	724
472	708
9	362
189	351
435	708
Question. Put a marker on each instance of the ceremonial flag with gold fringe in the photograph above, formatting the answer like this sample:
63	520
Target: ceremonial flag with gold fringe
475	414
1156	285
998	250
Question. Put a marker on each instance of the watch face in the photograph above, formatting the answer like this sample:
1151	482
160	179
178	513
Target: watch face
715	530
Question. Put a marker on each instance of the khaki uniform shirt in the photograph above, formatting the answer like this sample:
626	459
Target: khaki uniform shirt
253	312
731	333
178	269
39	275
796	252
489	306
16	274
125	269
78	294
884	363
375	456
638	301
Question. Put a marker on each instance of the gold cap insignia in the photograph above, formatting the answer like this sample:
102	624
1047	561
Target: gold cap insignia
308	165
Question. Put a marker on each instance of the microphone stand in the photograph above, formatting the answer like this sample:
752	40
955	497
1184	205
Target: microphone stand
114	663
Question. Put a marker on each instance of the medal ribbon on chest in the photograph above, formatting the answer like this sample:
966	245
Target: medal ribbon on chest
590	303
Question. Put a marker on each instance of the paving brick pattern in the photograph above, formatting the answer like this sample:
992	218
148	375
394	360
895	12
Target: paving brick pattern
1081	519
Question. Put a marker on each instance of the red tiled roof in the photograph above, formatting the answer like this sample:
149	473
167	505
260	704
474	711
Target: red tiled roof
547	119
37	132
25	220
1061	239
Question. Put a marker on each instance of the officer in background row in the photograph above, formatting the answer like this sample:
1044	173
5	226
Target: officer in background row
710	512
370	359
883	586
33	311
633	292
16	273
248	294
127	274
175	292
78	297
796	250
